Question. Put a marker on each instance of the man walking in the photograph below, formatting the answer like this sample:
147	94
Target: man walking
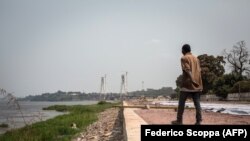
191	84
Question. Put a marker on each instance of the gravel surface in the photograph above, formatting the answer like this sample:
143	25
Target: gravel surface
109	127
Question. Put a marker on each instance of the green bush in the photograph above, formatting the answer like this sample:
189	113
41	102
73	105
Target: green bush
59	108
4	125
241	86
220	87
223	85
103	102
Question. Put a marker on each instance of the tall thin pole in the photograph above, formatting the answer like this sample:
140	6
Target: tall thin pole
239	91
142	85
105	84
126	83
102	87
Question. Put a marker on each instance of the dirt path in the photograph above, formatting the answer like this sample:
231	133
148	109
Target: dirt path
107	128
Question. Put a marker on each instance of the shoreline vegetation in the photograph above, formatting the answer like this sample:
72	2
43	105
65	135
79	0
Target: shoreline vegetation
4	125
61	128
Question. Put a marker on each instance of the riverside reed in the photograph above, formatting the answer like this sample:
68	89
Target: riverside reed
59	128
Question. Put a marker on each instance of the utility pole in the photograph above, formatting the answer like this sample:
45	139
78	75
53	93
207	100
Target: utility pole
105	84
126	78
102	87
239	91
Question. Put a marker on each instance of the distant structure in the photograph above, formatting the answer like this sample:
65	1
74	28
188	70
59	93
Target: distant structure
103	87
124	85
142	85
126	78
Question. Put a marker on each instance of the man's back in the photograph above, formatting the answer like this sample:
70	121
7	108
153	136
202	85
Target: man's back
191	63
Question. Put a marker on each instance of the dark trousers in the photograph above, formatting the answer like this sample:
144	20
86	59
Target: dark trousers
182	100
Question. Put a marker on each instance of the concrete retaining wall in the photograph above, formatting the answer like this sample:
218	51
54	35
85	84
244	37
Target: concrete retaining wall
239	96
209	97
132	124
124	123
231	97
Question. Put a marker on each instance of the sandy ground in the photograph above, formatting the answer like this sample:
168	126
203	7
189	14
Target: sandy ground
165	116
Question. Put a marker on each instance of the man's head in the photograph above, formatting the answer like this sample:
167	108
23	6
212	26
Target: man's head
185	49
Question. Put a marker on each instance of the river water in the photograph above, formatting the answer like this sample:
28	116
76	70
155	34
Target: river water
30	112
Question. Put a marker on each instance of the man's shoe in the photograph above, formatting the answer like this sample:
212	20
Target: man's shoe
197	123
176	122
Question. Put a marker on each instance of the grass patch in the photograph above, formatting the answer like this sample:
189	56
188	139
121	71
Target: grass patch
58	128
103	102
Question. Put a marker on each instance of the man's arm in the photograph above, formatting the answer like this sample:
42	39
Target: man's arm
186	68
190	76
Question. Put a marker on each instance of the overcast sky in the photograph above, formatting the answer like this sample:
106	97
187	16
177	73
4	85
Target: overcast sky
68	45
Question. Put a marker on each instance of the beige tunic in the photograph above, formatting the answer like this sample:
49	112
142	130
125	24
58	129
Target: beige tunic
191	63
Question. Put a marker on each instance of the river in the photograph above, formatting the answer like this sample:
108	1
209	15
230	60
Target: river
30	112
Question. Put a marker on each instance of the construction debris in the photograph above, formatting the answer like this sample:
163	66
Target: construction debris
109	127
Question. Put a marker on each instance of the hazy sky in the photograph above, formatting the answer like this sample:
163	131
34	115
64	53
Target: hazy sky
50	45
